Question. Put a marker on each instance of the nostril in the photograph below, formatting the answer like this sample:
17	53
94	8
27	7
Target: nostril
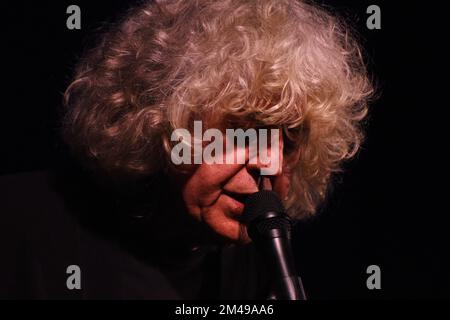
264	183
254	172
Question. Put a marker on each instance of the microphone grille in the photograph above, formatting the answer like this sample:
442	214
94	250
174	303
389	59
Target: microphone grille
260	203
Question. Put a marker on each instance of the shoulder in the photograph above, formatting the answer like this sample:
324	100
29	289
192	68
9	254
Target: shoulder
27	199
41	236
34	187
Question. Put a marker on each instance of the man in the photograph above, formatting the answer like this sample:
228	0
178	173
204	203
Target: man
138	225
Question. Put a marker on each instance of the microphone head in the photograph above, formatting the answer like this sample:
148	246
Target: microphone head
264	212
260	203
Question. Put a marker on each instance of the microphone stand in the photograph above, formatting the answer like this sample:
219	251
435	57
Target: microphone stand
293	283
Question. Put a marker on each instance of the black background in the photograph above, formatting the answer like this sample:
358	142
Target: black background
382	210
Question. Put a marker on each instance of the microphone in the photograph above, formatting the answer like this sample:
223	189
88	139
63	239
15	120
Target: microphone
269	227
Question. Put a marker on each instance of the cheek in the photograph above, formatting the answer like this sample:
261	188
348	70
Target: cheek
215	210
198	192
205	185
281	185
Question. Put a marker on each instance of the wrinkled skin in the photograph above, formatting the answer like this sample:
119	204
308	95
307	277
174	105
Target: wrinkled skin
213	193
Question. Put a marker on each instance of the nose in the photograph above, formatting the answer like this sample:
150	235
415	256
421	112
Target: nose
269	160
245	181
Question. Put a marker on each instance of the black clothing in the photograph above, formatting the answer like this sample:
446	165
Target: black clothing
50	221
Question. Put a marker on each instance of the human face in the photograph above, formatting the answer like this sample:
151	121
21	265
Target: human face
214	193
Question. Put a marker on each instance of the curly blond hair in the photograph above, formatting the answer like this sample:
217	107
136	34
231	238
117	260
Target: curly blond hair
282	63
